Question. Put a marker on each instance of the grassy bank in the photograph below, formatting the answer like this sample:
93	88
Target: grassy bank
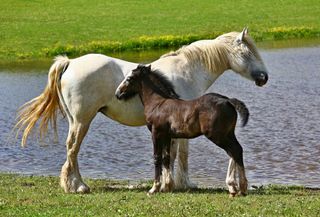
40	29
41	196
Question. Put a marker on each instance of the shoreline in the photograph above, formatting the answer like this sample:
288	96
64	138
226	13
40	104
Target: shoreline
147	43
42	64
133	184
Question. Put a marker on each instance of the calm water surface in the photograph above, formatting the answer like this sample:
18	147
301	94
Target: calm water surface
281	141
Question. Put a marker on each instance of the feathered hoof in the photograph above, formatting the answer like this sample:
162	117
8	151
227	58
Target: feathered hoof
167	188
242	194
83	189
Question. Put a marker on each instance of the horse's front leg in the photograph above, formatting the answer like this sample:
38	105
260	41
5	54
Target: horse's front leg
182	180
167	183
70	178
157	156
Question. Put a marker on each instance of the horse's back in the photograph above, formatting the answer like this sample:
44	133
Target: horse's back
99	63
94	75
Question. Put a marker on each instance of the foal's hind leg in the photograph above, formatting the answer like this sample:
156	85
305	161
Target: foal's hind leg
236	152
70	179
231	180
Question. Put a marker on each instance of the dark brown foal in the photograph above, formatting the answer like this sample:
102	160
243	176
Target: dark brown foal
168	117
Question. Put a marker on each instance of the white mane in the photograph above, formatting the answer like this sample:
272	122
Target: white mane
214	53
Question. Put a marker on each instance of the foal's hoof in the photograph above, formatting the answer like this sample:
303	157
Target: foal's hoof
153	190
150	193
232	195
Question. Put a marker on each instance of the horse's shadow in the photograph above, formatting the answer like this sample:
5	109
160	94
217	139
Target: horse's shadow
145	189
254	190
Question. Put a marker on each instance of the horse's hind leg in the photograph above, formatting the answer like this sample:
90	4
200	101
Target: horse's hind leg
70	179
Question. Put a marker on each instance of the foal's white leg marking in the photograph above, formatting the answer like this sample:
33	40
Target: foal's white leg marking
70	179
243	182
167	180
231	178
155	188
181	178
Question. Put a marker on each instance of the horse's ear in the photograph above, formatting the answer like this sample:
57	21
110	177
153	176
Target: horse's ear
242	34
245	30
149	67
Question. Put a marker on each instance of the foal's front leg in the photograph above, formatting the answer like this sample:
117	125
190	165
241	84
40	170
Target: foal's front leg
167	183
157	155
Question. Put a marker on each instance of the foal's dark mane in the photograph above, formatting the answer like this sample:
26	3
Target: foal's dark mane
159	83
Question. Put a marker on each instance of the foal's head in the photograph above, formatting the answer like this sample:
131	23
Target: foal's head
133	84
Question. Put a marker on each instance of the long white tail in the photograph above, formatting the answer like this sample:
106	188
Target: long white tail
45	106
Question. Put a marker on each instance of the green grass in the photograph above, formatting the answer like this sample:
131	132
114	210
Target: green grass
41	29
42	196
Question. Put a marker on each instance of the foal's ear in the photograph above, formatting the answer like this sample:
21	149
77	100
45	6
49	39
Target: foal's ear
147	69
242	34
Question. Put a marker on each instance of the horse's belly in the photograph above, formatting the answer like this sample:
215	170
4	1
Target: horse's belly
128	112
185	130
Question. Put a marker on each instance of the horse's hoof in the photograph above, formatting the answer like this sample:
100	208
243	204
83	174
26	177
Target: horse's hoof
183	185
167	188
242	194
83	189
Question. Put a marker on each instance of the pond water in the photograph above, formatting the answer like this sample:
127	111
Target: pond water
281	141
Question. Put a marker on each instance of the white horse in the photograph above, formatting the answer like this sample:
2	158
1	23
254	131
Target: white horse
84	86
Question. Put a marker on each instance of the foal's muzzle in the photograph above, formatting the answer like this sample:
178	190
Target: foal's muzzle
124	95
118	95
260	77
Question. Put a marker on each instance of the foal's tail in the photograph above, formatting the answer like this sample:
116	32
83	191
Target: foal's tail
44	106
242	109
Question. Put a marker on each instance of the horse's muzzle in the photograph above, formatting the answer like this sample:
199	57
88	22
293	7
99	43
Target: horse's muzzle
260	78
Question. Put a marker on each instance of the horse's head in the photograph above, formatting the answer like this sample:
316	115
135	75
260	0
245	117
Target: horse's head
244	58
129	87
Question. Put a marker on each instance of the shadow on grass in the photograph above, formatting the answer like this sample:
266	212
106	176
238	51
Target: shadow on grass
254	190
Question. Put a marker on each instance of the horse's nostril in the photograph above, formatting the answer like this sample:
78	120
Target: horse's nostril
260	77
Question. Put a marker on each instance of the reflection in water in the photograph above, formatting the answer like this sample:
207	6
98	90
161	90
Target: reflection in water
281	141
